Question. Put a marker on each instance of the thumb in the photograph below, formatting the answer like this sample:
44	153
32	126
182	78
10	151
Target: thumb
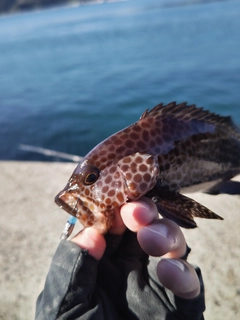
92	240
180	277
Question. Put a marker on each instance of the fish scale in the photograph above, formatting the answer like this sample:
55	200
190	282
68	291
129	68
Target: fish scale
170	147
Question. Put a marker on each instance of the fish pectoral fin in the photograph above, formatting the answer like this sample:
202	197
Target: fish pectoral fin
179	208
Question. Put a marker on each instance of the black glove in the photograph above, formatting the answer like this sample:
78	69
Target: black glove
122	285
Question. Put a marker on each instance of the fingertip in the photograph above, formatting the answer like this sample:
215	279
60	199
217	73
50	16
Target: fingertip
91	240
137	214
153	239
180	277
162	237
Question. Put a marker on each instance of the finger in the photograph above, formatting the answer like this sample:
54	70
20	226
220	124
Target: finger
118	227
91	240
137	214
179	277
162	237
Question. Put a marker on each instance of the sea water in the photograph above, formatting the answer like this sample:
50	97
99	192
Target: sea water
71	76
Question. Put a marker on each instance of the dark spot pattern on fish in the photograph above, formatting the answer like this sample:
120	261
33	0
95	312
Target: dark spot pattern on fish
171	147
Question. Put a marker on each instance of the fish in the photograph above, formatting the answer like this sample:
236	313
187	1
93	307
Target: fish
171	147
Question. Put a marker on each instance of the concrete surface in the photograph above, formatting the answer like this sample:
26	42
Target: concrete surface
31	223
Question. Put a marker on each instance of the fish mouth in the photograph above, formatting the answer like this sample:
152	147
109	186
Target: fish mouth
68	202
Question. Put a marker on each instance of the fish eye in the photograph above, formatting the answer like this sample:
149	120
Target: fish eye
89	174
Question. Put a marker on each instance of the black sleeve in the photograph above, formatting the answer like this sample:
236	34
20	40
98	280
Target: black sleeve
123	285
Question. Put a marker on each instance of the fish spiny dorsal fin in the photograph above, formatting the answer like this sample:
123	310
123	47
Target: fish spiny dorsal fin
144	115
147	112
186	112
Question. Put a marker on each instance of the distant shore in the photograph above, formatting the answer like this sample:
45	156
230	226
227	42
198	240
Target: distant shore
12	6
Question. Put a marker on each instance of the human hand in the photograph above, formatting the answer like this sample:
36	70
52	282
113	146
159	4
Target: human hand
156	237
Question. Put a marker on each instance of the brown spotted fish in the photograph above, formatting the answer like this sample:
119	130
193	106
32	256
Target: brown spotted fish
171	147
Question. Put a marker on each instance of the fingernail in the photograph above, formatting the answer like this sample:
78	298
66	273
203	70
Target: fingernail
161	230
141	204
177	263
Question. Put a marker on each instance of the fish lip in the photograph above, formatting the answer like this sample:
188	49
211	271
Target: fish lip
59	200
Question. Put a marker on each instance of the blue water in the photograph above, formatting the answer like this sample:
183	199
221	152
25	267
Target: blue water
70	77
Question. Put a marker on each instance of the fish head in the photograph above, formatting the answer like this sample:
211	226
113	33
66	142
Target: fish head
92	194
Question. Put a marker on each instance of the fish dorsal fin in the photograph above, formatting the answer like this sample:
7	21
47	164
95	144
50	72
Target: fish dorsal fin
186	112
